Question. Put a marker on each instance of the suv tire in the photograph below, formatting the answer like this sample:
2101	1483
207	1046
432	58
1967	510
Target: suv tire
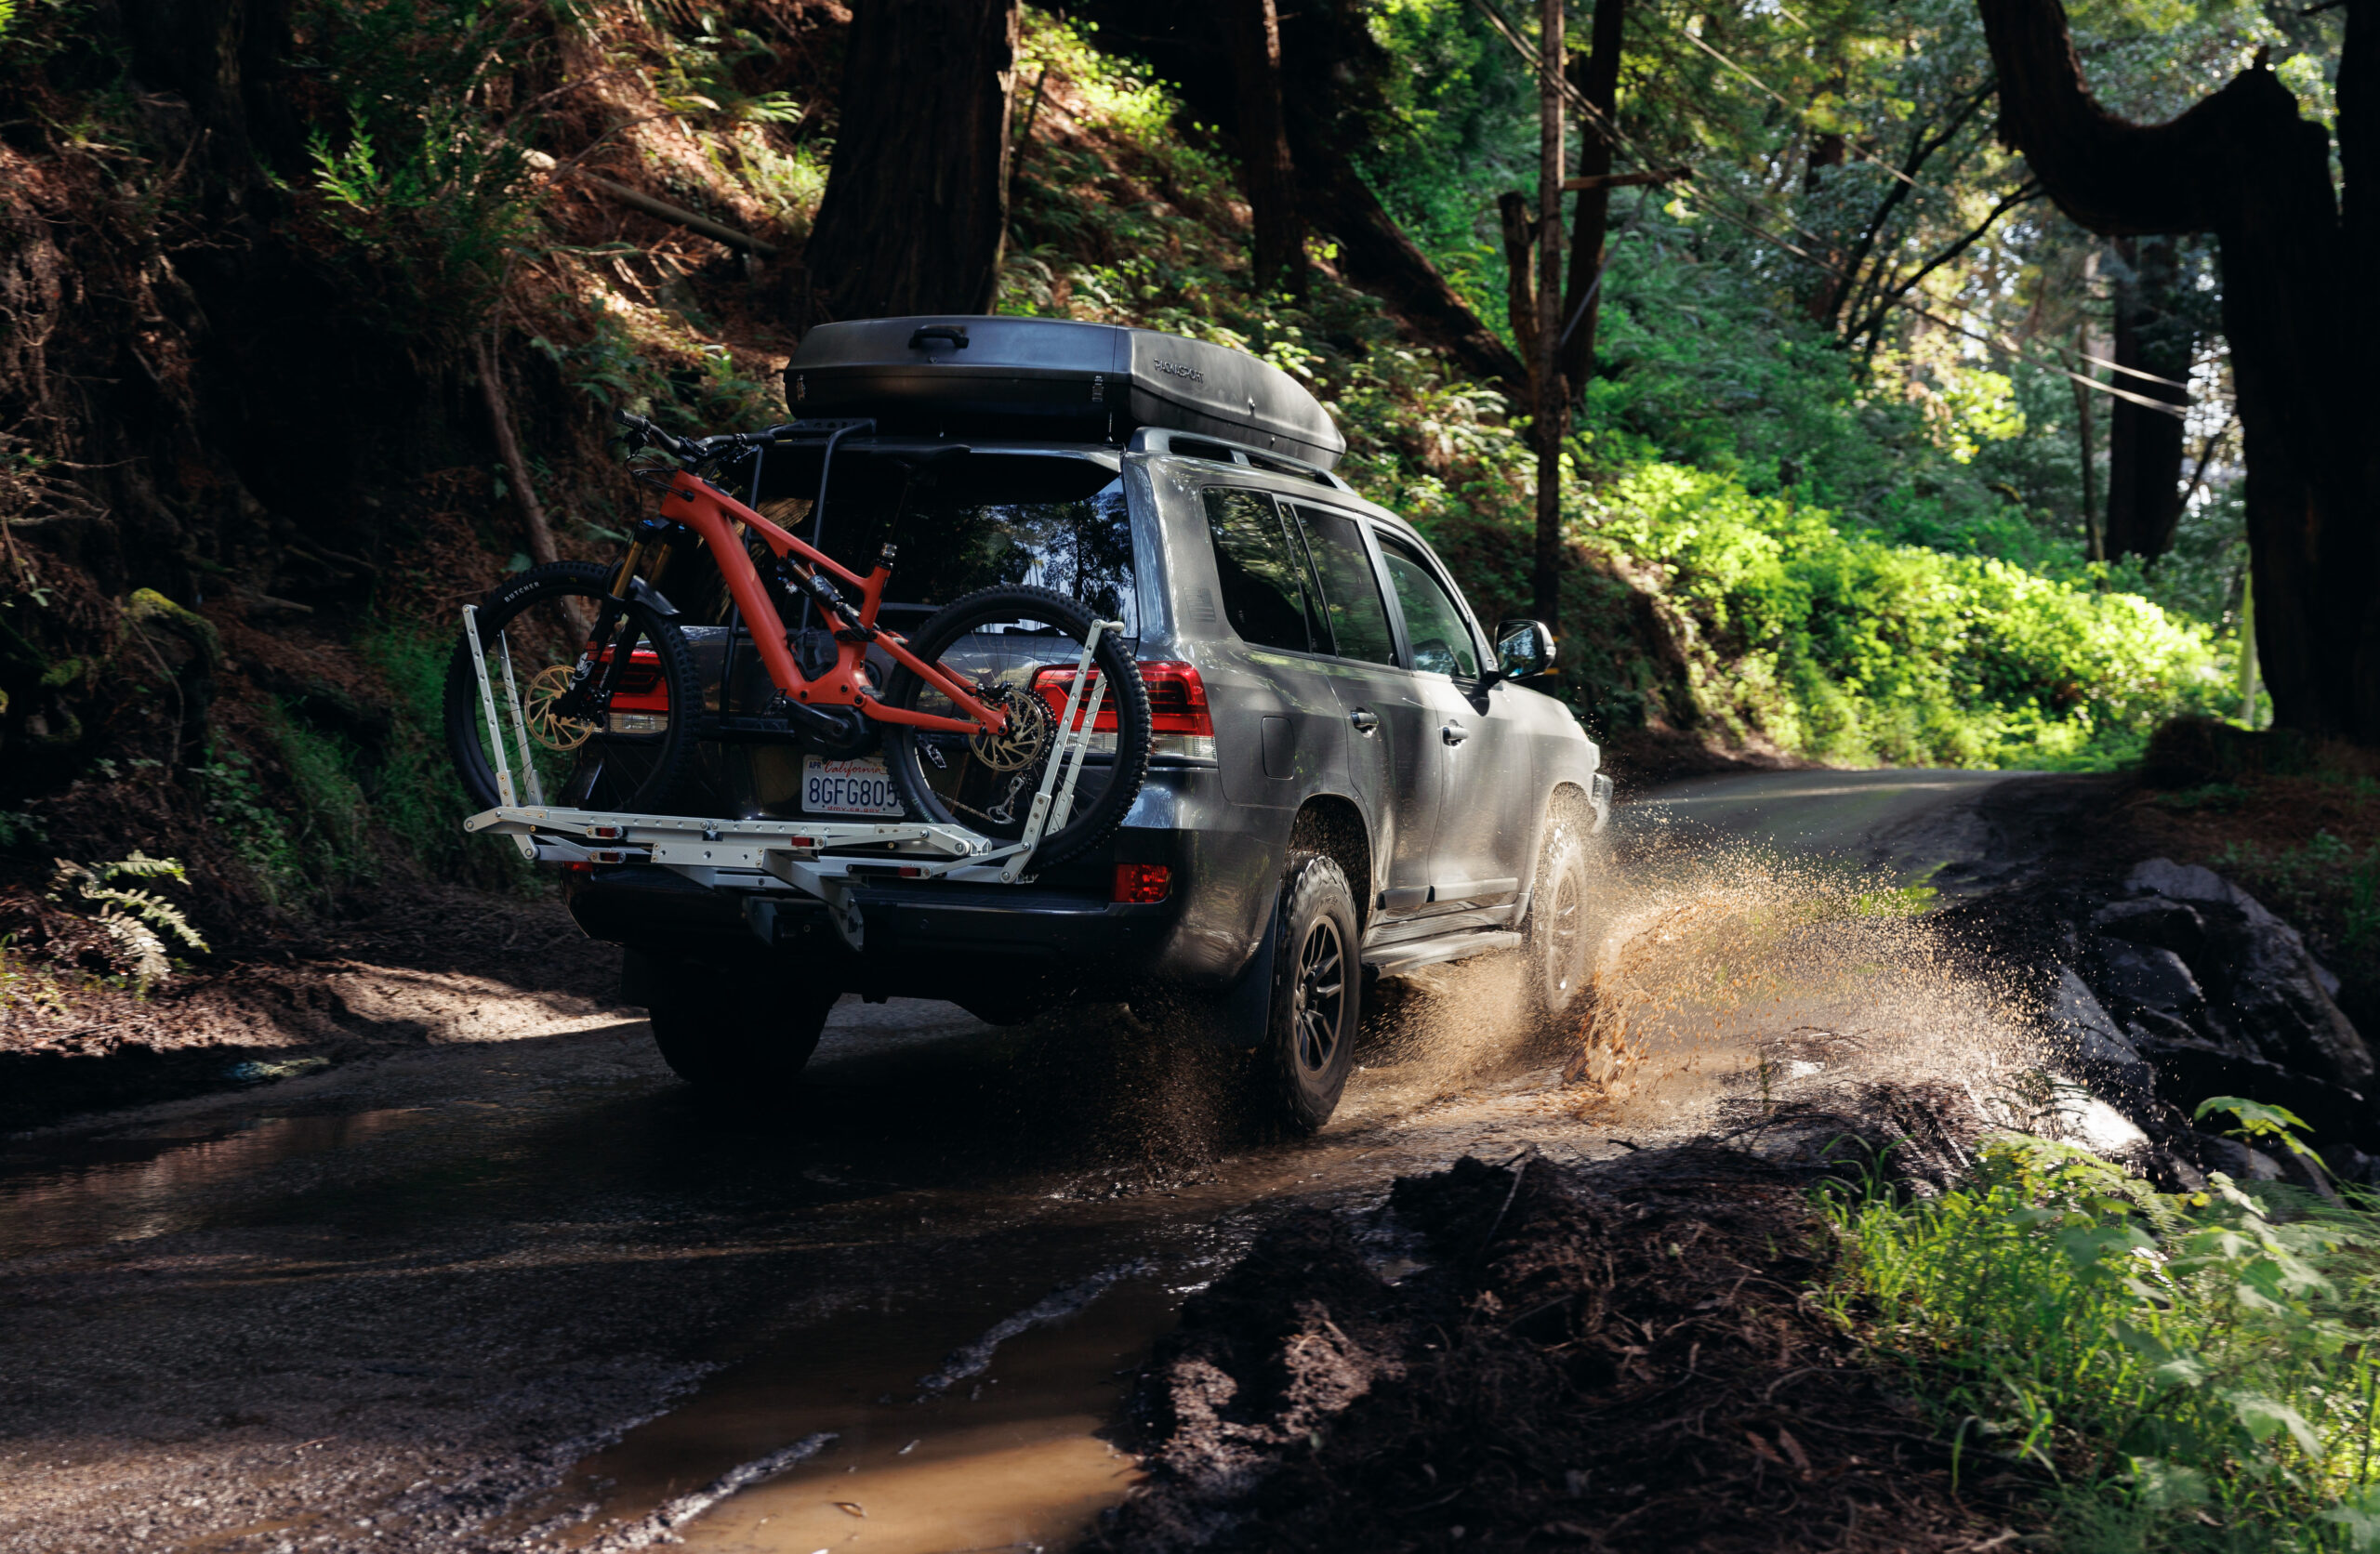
732	1034
1308	1045
1558	945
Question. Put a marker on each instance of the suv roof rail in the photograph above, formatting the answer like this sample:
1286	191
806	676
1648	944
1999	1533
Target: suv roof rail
1185	444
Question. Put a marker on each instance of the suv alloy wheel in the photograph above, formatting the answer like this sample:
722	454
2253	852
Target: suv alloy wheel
1558	943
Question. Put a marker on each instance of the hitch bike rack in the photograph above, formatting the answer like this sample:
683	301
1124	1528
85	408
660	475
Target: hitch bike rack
827	859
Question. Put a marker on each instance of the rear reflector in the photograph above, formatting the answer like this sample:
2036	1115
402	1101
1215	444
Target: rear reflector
1142	883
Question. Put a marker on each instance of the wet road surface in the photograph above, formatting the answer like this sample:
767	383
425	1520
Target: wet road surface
534	1294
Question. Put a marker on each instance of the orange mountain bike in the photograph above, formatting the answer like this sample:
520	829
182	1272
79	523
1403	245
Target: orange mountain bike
589	664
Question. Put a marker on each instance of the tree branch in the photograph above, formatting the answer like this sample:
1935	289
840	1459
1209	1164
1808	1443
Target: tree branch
2027	191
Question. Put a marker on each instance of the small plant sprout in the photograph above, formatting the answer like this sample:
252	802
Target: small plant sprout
136	918
2258	1122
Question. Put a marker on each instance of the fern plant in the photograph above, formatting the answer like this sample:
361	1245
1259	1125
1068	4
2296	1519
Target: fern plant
136	920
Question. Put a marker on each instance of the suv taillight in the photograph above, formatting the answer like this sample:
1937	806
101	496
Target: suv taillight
1179	722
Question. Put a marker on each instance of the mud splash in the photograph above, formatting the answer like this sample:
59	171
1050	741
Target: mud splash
1729	979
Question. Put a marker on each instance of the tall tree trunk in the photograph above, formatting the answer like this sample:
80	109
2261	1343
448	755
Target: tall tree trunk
1331	76
226	59
1550	400
916	205
1597	78
1266	171
2245	167
2144	446
2095	542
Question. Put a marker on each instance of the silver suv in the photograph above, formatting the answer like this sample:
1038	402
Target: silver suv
1351	777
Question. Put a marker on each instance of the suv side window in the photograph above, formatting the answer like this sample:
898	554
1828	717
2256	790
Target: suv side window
1351	599
1265	589
1441	636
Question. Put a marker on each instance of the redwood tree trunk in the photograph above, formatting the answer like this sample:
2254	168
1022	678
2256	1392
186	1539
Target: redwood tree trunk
1269	177
1549	406
917	203
2145	445
1597	78
2245	167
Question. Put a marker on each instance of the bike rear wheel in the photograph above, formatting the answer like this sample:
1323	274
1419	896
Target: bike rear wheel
624	752
1017	648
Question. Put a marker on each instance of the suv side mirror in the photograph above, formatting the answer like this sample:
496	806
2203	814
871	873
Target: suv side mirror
1523	650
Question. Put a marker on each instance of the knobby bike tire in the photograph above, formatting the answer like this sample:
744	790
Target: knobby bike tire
466	723
1093	824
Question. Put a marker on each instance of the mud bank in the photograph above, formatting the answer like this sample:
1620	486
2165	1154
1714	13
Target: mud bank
1617	1356
419	965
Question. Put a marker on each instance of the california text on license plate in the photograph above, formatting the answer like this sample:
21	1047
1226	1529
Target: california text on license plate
860	787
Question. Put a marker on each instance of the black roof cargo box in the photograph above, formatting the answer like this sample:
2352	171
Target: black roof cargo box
1051	380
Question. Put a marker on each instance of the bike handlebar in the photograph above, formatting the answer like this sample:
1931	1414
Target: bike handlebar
691	449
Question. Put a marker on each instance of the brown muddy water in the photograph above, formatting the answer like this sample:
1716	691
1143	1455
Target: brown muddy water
530	1294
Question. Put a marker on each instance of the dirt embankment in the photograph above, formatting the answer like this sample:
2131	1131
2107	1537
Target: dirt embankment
418	965
1542	1356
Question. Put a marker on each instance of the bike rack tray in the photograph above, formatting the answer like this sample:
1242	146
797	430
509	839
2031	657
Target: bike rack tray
825	859
821	857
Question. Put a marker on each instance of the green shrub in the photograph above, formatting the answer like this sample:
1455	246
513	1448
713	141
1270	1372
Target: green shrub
2191	1371
1846	647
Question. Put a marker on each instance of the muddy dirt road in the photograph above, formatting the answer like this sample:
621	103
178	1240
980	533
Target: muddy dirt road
529	1293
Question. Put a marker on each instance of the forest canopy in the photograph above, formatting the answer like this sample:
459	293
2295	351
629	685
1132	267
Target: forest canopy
317	310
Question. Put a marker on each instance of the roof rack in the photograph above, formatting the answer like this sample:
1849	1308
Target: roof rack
1186	444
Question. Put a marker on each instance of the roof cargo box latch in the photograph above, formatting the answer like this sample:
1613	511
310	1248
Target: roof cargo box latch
953	333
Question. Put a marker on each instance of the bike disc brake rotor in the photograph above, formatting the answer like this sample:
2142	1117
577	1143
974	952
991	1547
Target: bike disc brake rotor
1022	738
548	727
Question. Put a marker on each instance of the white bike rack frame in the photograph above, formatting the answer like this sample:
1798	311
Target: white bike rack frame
827	859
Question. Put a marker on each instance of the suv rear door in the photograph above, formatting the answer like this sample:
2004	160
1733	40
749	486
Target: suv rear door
1393	758
1274	733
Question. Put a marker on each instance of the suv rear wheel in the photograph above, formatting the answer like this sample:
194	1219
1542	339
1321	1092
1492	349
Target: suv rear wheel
1308	1045
736	1033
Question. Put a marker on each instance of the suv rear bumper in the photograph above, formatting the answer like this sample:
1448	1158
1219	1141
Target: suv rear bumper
912	936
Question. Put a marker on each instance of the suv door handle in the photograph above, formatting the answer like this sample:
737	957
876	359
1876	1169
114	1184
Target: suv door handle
1364	720
1454	733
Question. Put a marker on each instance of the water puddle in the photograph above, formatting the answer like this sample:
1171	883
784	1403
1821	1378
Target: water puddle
161	1191
908	1434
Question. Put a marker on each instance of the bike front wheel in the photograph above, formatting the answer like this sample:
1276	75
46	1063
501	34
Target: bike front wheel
606	694
1017	648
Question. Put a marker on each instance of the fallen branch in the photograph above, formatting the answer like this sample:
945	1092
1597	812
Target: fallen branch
717	231
541	537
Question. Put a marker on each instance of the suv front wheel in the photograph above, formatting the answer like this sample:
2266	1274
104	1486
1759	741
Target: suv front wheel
1558	943
1308	1045
736	1033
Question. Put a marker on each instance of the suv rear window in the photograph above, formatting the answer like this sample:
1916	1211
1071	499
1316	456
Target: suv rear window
971	520
1265	589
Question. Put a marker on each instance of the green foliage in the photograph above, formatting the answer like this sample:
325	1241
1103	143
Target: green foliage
415	803
134	917
419	193
1853	584
2259	1123
2195	1370
2326	880
1843	646
245	817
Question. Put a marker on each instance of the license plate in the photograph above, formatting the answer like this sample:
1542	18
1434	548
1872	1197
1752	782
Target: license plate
858	788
